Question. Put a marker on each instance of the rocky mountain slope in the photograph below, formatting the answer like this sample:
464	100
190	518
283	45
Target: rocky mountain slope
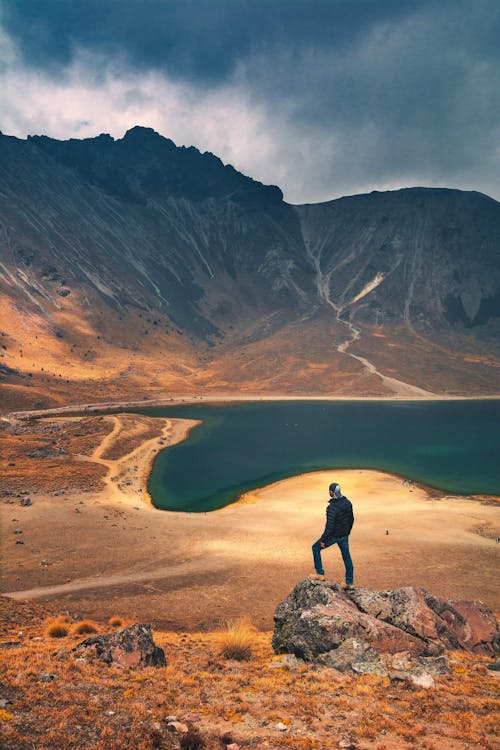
139	264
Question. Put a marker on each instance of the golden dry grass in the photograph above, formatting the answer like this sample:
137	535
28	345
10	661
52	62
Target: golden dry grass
96	707
31	454
85	627
89	706
237	638
58	628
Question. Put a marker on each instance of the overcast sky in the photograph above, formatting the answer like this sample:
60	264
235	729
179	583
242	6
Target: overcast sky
321	97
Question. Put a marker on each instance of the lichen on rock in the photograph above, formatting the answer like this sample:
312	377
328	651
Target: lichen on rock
130	647
361	630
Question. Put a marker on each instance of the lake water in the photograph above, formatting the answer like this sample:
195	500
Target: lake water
450	445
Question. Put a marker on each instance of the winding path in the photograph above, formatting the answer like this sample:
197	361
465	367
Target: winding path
119	579
108	439
399	387
123	479
126	481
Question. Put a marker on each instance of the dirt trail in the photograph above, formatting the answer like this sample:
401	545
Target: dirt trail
120	579
126	477
108	440
399	388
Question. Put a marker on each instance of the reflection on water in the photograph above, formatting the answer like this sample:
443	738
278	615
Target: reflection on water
452	445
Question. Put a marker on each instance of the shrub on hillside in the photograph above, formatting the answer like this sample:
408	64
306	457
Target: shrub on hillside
57	629
236	639
85	627
116	622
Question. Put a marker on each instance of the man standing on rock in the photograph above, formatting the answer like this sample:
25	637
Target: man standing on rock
339	521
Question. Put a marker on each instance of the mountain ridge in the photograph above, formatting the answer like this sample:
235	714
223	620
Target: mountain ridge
412	189
101	235
223	179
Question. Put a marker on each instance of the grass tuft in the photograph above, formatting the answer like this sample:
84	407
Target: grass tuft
115	622
236	640
85	627
57	629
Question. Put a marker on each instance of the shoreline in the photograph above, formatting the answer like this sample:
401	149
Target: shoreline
180	429
111	550
433	493
88	409
177	429
180	432
189	570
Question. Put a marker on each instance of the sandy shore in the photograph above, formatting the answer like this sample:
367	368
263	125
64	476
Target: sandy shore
224	398
111	552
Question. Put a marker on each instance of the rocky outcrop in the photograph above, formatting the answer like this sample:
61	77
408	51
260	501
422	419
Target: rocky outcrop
369	631
130	647
319	617
448	623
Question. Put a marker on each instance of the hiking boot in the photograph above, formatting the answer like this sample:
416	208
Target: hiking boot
317	576
348	586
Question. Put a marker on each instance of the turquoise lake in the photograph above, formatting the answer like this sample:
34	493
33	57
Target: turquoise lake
450	445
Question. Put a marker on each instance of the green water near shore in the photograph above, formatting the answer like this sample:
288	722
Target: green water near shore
450	445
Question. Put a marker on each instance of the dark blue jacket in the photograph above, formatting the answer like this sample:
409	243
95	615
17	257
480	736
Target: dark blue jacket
339	519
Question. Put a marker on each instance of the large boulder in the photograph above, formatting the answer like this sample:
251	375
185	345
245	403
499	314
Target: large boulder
318	617
130	647
454	624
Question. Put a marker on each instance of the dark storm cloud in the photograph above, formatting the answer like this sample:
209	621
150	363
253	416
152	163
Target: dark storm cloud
200	38
324	97
413	98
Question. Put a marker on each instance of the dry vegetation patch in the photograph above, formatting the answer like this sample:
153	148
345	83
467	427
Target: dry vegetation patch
116	622
42	455
237	638
57	629
134	430
85	627
57	702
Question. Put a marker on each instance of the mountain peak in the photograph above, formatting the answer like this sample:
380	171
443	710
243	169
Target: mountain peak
140	135
145	165
141	131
